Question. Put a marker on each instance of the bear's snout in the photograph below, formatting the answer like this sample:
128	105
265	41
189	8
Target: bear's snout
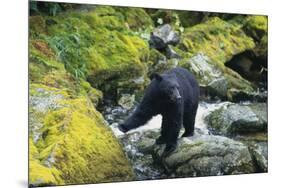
175	95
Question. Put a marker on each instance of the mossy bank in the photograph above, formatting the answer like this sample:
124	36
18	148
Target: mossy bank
80	55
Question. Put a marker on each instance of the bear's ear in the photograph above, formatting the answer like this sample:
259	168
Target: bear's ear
156	76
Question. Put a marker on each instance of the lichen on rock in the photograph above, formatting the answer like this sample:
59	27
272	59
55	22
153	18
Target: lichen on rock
236	119
73	144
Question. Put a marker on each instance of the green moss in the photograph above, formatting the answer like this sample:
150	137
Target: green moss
136	18
220	41
40	174
188	19
256	27
85	150
116	58
217	39
97	45
74	145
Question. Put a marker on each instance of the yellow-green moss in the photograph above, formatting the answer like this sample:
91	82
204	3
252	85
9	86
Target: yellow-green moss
40	174
220	41
217	39
136	18
96	45
74	145
256	27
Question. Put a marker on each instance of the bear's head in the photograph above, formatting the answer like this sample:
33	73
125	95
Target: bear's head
168	86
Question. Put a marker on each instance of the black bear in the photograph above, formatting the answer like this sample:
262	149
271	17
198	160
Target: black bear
173	94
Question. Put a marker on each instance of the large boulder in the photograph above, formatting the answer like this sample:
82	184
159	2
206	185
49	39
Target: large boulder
216	38
206	155
70	141
235	119
98	45
209	76
258	146
162	36
215	42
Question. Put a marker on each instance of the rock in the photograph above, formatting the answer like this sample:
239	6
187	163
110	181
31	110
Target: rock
258	147
207	155
126	101
162	36
218	40
256	27
218	87
209	76
139	146
238	119
200	65
259	155
159	63
70	141
170	53
235	95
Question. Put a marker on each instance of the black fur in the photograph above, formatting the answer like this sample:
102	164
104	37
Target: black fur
175	96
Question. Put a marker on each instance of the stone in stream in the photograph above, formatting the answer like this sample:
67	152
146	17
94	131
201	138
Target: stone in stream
245	123
206	155
238	119
126	101
258	147
199	155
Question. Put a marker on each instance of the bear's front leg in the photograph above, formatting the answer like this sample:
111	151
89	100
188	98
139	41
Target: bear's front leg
172	139
162	139
172	131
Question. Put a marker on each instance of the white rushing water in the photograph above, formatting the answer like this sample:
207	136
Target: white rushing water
143	164
204	109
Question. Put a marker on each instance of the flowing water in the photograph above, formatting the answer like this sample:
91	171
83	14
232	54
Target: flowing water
143	164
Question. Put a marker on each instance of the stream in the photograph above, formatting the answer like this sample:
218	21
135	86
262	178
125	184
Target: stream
143	164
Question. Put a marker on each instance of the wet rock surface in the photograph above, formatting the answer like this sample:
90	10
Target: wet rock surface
238	118
203	154
207	155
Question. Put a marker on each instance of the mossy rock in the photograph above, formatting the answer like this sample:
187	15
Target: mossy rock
44	68
158	62
219	41
256	27
161	17
72	144
40	174
236	119
136	18
190	18
97	45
